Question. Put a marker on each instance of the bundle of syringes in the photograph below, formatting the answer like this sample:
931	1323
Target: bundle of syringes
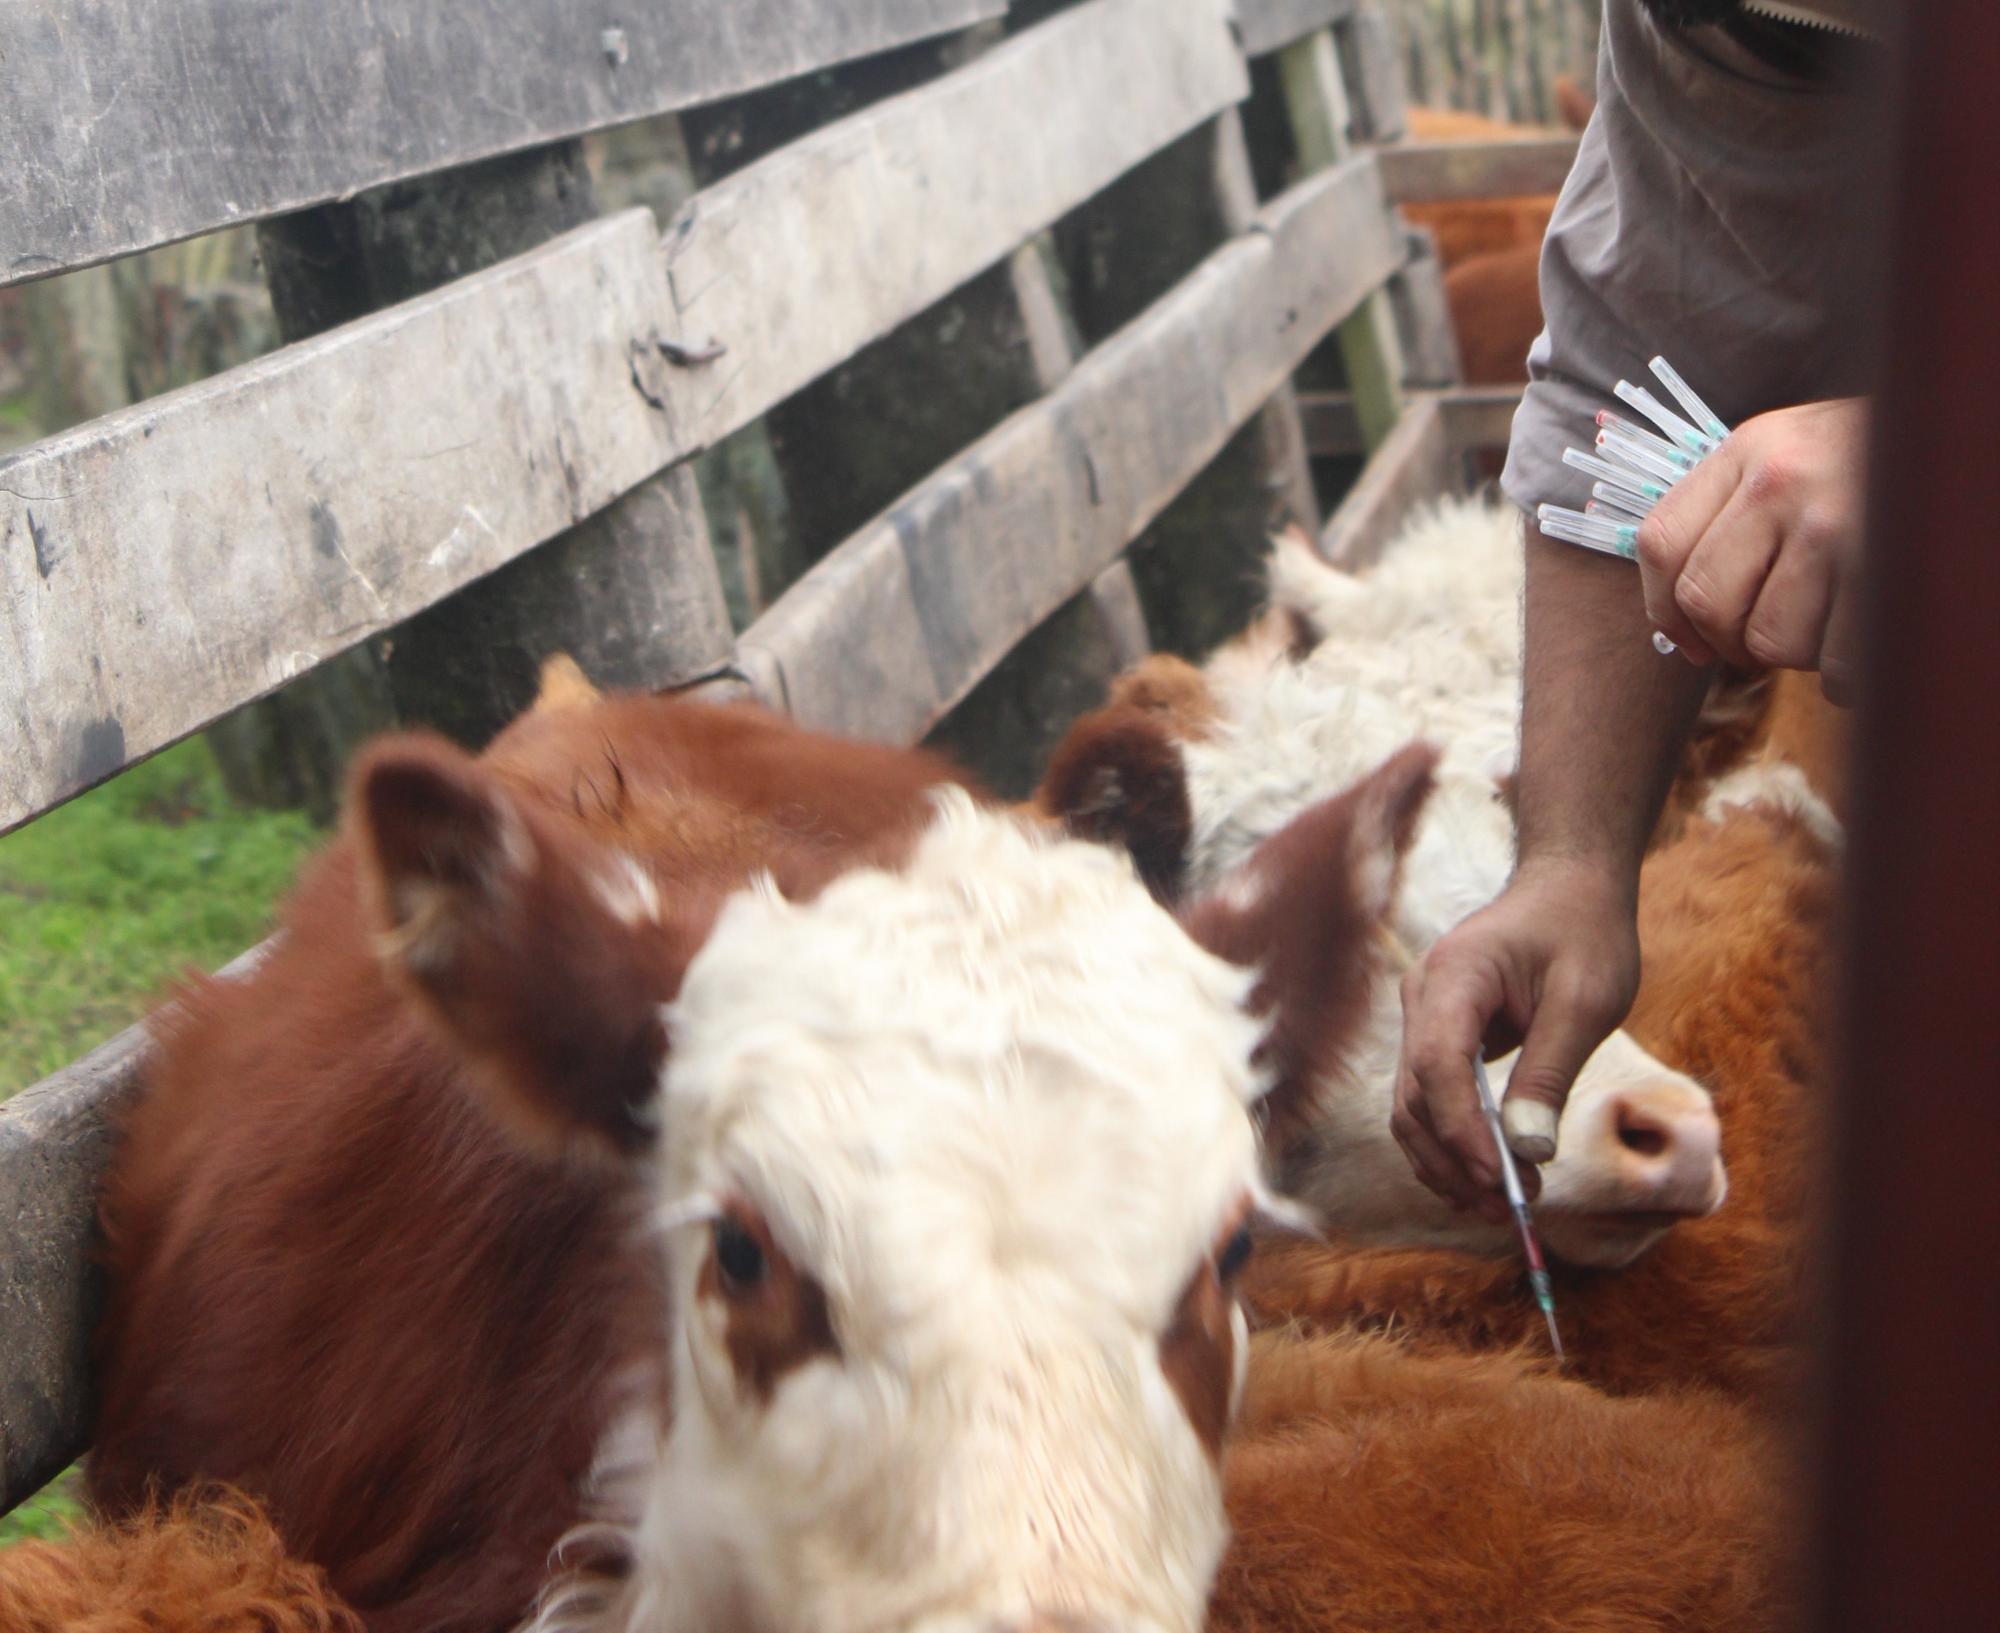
1634	468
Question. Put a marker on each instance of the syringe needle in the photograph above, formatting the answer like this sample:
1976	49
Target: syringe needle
1517	1203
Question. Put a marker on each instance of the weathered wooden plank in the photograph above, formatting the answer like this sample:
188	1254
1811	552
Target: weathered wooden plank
1270	25
1374	72
1011	722
264	519
1125	249
129	123
1424	329
899	622
1332	424
1319	107
1413	464
1422	172
798	261
55	1140
279	513
167	563
1477	419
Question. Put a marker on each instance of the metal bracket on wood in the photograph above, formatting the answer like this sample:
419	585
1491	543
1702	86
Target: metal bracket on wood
646	354
682	355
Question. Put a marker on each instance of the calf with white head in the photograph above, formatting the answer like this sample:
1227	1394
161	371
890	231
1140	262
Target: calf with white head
951	1160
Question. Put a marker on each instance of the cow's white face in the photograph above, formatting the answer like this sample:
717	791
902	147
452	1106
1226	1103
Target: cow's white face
956	1161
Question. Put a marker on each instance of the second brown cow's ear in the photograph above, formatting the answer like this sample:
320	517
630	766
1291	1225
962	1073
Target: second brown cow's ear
1118	779
543	959
1306	910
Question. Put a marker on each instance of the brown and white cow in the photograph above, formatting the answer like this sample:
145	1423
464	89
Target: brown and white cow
1197	768
800	1198
1736	918
1735	923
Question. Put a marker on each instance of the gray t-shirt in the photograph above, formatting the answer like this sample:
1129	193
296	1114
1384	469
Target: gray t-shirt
1712	217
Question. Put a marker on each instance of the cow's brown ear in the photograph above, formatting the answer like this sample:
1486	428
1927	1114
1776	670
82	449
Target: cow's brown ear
1307	910
1118	779
542	958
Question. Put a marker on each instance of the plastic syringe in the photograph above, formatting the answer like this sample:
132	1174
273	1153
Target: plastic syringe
1517	1202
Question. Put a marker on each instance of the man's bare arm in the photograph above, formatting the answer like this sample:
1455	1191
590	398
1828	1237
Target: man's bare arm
1603	715
1554	961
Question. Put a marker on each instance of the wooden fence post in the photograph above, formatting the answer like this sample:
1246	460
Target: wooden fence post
1006	728
1316	100
1197	565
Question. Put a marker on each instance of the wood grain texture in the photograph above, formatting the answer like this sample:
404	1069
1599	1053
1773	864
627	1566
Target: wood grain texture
129	123
1012	721
1374	71
1123	251
897	624
797	262
1423	172
164	564
268	517
55	1141
1412	464
1314	76
1424	328
1479	419
1270	25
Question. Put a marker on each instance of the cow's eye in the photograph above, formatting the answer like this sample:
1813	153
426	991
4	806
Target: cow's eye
738	1258
1234	1256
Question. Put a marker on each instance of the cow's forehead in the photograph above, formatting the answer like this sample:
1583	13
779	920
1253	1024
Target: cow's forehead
1000	1062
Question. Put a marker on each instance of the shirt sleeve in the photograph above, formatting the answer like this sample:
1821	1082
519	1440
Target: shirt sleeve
1710	218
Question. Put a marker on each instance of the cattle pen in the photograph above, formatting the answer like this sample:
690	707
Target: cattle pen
1040	242
1048	312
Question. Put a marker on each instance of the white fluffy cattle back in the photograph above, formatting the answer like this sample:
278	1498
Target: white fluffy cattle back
1427	645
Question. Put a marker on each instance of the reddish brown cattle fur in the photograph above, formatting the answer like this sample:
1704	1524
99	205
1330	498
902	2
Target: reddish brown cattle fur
210	1563
1496	310
1801	728
1375	1491
325	1339
1735	922
1121	781
1468	227
1574	104
1312	1007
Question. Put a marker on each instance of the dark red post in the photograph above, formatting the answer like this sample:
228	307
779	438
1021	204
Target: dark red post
1909	1471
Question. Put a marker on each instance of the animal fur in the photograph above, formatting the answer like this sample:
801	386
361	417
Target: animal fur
208	1562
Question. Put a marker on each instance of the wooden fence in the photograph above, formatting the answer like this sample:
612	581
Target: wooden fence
998	286
1496	57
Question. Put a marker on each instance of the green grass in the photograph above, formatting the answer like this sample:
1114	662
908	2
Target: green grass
102	904
46	1515
106	900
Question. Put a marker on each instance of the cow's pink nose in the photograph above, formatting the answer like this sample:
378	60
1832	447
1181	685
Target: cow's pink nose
1669	1150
